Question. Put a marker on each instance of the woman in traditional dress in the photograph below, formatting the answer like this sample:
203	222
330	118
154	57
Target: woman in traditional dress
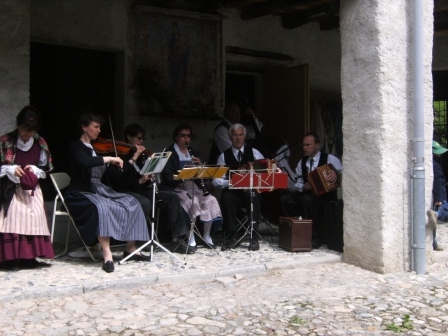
24	233
206	207
98	211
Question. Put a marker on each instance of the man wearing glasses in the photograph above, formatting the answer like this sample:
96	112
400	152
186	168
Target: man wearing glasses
237	155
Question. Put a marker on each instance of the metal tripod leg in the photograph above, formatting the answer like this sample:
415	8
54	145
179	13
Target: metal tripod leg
250	229
152	241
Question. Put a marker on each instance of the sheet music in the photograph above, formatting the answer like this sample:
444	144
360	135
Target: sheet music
155	163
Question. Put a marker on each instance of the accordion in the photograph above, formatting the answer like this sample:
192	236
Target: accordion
318	179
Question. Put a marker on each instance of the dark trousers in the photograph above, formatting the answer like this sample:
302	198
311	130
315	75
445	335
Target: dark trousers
170	203
307	205
232	200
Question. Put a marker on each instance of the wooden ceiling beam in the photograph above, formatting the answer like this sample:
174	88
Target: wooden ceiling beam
315	14
272	7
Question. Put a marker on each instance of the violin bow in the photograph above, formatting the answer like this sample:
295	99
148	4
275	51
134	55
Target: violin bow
113	138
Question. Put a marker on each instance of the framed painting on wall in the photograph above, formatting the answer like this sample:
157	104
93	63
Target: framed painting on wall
177	63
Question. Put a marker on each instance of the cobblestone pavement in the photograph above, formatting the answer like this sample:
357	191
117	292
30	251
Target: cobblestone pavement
268	292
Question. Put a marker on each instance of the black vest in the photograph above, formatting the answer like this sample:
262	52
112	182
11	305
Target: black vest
322	160
231	161
214	151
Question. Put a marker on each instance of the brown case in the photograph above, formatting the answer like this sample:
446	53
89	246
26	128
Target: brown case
294	234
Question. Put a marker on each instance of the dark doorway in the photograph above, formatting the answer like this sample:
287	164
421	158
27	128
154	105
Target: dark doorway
64	82
240	88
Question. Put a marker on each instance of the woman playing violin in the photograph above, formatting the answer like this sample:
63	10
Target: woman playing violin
140	186
98	211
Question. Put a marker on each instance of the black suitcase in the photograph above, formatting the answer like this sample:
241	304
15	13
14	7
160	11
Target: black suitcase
334	230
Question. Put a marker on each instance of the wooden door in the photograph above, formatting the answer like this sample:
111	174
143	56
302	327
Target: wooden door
286	112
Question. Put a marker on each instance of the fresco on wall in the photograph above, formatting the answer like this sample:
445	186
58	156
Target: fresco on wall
177	64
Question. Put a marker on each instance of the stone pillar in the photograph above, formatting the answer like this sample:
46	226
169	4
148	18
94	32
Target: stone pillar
14	60
376	74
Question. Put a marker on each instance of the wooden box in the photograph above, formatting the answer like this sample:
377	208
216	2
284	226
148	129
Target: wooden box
294	234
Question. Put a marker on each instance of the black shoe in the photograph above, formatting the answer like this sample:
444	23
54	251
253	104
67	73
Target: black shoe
32	264
254	245
108	266
230	243
10	265
137	257
183	248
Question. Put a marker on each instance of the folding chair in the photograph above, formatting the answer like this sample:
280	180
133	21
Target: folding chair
61	181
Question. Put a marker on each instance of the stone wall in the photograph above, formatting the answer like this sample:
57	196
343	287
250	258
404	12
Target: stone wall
14	60
378	130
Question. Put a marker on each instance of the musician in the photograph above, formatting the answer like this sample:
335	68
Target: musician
24	231
301	201
237	155
98	211
141	186
232	115
206	207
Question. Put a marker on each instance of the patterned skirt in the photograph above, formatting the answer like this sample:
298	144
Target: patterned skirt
205	207
24	231
107	213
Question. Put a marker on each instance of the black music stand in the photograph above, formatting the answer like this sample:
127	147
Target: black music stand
256	180
154	165
192	173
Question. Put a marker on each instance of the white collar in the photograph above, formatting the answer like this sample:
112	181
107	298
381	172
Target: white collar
316	157
235	151
182	156
25	147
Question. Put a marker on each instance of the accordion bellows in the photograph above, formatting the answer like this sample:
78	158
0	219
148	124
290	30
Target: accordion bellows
318	179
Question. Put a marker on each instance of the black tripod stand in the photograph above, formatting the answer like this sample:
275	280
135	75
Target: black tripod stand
154	168
253	181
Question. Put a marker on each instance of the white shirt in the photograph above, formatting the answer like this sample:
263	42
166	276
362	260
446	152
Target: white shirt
331	159
10	170
222	183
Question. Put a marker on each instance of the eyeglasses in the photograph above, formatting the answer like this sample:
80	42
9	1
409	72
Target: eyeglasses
140	138
184	135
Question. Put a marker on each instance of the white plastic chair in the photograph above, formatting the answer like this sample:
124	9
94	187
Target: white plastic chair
61	181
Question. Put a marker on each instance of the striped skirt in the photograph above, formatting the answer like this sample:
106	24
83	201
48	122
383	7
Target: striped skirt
24	232
117	215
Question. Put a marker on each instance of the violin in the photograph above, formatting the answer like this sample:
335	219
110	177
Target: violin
108	146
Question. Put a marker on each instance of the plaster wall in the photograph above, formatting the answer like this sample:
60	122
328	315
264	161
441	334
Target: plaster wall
378	130
307	44
107	25
14	60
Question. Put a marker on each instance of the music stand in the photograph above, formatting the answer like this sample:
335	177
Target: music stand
256	179
153	165
192	173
